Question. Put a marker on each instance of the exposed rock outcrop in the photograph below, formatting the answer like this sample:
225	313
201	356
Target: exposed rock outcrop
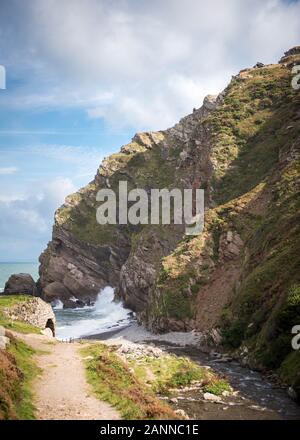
21	283
4	340
291	57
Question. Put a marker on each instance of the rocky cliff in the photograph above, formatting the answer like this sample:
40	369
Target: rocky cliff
241	275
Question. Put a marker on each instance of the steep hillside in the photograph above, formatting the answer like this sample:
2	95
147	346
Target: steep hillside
241	274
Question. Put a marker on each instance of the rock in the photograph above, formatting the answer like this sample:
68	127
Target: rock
183	155
69	304
21	283
226	393
259	65
182	414
174	400
216	336
82	268
4	341
229	236
2	331
55	290
210	102
47	332
224	359
291	57
80	303
230	245
292	393
212	397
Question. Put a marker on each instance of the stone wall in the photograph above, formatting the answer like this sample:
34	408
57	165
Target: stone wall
34	311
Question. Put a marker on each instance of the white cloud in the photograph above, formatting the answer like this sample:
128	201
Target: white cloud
140	63
27	221
8	170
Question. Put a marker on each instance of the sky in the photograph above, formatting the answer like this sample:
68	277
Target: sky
82	76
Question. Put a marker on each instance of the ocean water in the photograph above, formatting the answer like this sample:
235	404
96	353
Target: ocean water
103	316
7	269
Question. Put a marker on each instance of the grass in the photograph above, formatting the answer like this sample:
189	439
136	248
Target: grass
290	371
217	387
169	372
17	371
132	386
249	129
7	301
112	381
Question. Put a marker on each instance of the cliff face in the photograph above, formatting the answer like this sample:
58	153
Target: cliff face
241	274
84	256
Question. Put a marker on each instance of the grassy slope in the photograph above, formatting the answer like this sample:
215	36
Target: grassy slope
132	386
17	370
113	382
17	366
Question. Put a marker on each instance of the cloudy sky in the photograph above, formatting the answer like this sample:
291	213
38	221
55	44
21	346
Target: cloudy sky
84	75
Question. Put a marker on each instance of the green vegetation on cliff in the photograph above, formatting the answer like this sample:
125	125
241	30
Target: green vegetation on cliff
256	181
254	122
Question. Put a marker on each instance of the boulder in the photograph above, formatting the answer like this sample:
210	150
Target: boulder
210	102
56	290
80	303
4	341
259	65
212	397
70	304
21	283
47	332
292	393
73	303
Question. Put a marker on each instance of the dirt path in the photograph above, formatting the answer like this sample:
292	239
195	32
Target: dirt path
61	392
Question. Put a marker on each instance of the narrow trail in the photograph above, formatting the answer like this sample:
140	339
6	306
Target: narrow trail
61	391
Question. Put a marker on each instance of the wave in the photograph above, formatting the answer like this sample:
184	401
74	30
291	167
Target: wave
57	304
106	314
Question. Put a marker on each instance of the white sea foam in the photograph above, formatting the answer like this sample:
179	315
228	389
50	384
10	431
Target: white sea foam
105	315
57	305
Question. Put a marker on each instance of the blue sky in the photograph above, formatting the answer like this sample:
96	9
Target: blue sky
84	75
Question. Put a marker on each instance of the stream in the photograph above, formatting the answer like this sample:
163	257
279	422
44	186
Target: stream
257	397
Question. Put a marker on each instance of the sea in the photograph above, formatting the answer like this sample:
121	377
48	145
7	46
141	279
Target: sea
104	315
